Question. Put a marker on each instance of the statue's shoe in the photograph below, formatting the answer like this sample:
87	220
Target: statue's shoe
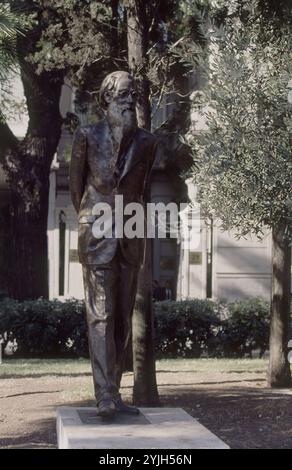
106	408
121	407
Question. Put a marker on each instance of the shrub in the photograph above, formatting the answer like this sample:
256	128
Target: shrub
44	328
247	328
187	328
195	328
190	328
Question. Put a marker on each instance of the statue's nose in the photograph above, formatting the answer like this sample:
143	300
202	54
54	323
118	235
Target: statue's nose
131	98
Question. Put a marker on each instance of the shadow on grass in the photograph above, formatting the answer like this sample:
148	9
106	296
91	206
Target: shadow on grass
247	371
216	382
200	371
45	374
29	393
242	417
44	435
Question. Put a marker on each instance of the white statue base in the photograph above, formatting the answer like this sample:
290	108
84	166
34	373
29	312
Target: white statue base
154	428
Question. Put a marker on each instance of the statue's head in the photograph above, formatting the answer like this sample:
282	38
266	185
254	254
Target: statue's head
118	98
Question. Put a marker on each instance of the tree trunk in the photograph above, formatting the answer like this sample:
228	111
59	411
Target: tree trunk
279	369
137	29
29	249
28	177
114	25
145	386
27	167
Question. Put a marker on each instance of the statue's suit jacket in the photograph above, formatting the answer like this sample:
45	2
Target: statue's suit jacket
93	180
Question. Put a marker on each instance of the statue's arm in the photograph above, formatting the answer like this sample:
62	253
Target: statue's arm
77	167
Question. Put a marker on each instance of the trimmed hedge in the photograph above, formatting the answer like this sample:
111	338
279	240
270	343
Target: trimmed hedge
43	328
190	328
196	328
246	328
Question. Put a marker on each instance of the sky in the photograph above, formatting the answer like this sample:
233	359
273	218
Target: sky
18	124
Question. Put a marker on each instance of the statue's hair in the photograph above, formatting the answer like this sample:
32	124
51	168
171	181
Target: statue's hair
109	84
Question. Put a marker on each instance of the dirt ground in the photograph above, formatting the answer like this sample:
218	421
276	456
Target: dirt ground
228	397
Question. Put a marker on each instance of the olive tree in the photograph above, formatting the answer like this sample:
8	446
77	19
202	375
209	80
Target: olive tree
243	158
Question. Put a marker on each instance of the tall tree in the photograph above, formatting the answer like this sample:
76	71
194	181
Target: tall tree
27	164
243	159
145	386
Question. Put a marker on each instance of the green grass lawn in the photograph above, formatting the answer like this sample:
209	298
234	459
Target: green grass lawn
31	367
19	367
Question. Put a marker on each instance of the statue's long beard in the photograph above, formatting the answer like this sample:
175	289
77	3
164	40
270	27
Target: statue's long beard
123	123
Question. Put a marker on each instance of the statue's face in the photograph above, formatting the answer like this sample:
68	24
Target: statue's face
122	102
125	96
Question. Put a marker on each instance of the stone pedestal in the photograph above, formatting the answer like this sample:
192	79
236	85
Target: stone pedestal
154	428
